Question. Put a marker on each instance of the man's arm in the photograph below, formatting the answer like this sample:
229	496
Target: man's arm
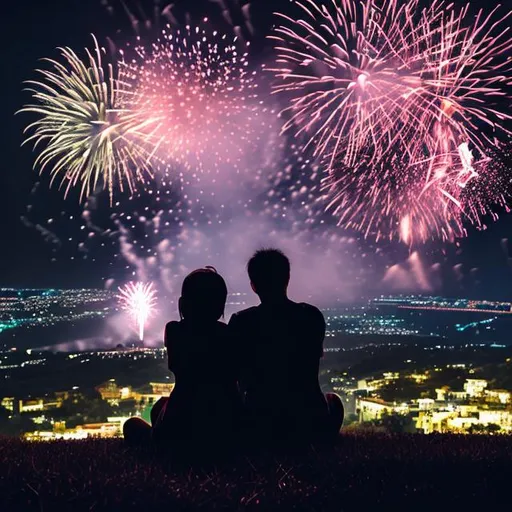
319	331
235	342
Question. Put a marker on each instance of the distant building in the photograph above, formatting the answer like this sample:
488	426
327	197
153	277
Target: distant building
362	385
475	387
462	418
371	409
433	421
31	405
99	429
109	391
501	418
500	396
418	377
162	388
426	404
8	403
102	430
119	421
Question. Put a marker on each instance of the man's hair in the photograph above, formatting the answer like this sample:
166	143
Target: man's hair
203	295
269	271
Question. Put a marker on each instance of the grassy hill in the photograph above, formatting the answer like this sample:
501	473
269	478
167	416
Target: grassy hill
361	472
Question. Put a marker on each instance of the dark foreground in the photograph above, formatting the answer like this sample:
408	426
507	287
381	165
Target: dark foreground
362	472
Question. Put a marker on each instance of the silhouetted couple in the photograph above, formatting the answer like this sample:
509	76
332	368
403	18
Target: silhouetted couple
254	381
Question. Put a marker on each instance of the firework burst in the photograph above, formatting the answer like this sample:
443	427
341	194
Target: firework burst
402	105
139	300
198	84
89	140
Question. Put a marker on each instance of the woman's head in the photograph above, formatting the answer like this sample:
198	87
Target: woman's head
203	295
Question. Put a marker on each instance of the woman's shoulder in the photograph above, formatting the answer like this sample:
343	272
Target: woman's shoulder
172	330
180	328
172	326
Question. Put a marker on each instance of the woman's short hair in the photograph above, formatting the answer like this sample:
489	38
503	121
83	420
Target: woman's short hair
203	295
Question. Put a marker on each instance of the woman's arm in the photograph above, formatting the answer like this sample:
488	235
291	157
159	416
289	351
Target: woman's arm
170	336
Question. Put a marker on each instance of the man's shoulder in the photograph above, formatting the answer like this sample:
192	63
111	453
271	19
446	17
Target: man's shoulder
246	314
309	309
310	314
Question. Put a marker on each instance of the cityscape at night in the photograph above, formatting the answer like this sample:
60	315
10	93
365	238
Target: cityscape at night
442	336
256	255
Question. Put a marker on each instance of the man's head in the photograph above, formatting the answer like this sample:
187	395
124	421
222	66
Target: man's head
269	272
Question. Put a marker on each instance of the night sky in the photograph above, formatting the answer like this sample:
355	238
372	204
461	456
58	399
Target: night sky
33	29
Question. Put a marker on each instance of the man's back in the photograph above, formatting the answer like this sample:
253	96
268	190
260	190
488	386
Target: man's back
280	345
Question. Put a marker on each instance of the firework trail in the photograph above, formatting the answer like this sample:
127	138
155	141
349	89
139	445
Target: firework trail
139	300
402	105
89	140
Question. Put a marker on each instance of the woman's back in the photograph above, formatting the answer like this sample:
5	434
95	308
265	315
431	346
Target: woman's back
205	403
201	358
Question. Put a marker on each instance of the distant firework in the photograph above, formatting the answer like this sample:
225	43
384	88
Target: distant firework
198	84
88	140
139	300
403	106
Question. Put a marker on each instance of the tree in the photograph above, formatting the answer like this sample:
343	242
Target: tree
490	428
397	423
350	419
90	408
400	390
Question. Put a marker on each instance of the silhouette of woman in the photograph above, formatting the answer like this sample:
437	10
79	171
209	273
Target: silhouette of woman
204	407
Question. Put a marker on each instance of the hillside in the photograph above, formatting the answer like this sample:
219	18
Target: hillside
362	472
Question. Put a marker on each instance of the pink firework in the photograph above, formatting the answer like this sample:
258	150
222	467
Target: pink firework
403	106
195	85
139	300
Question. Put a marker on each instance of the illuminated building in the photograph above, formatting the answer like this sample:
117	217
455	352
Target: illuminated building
500	396
433	421
426	404
31	405
8	403
475	387
145	399
104	430
418	377
461	420
501	418
375	384
112	428
371	409
445	393
112	393
162	388
119	421
53	436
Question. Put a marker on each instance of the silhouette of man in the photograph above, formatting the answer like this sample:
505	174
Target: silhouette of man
279	344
